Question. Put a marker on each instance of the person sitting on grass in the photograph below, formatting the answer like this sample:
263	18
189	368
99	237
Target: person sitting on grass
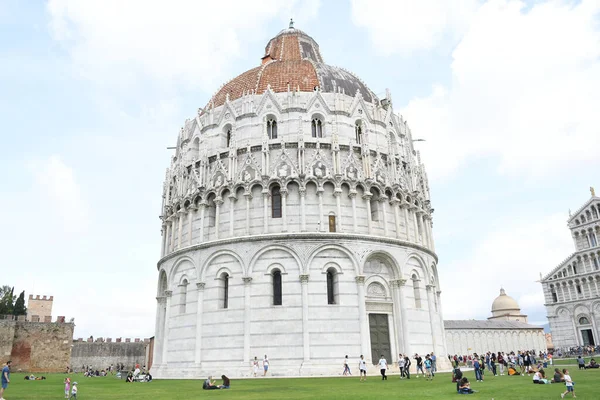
457	375
558	376
465	386
593	364
226	382
539	377
209	384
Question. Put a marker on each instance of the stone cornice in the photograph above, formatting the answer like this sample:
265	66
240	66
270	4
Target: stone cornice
335	237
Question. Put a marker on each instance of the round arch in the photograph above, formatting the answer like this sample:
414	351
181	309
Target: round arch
324	247
177	263
396	270
268	248
215	255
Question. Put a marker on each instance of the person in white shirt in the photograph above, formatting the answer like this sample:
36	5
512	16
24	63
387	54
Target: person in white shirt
383	368
266	365
569	383
346	367
255	366
401	363
362	367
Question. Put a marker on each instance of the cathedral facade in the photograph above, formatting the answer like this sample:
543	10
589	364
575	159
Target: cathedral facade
506	330
571	292
296	223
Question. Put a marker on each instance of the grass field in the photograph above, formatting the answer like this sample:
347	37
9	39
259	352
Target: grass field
497	388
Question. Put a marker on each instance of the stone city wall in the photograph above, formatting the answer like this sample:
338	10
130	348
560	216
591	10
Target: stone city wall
101	353
37	346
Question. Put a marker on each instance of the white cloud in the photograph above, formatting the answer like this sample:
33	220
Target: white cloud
406	26
510	256
55	185
188	42
524	89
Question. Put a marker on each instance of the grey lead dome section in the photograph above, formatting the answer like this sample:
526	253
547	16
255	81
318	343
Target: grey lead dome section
335	79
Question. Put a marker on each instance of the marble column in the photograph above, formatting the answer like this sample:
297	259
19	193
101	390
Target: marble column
247	282
232	201
180	228
191	212
594	327
302	210
394	203
440	315
248	196
430	306
265	194
367	199
159	329
305	311
199	311
320	195
284	195
401	283
362	318
383	201
165	349
172	244
338	201
163	241
352	196
218	204
398	311
405	208
202	211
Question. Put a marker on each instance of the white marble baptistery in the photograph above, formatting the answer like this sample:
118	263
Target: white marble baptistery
296	223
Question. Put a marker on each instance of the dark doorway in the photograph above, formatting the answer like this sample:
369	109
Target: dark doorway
380	338
588	337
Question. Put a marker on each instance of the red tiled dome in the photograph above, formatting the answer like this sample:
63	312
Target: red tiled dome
292	60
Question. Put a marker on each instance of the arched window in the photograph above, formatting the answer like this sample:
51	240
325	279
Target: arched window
592	239
374	201
332	286
594	212
574	269
358	132
332	223
272	128
317	128
596	264
224	290
276	275
276	202
578	287
584	321
554	296
416	291
183	296
211	213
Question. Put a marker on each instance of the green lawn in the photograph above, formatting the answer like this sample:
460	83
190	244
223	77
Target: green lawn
498	388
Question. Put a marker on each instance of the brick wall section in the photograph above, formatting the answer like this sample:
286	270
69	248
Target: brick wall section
41	347
100	355
7	333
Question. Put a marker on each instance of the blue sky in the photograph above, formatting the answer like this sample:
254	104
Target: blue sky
506	93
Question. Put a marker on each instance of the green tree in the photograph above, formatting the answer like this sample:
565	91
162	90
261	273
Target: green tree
7	300
19	308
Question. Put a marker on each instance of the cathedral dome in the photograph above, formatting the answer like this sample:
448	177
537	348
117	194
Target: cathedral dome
292	61
505	304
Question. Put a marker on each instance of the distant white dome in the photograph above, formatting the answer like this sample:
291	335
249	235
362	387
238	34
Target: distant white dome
505	304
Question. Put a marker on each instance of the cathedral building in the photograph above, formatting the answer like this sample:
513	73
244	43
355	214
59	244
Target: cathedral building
506	330
571	289
297	224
